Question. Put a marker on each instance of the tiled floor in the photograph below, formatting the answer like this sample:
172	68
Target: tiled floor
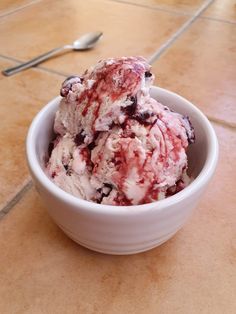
201	67
22	96
194	272
225	10
126	31
180	6
9	6
41	270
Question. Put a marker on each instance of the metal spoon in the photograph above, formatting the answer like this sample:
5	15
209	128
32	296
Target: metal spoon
85	42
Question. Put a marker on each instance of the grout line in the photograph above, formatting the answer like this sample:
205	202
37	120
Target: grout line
10	58
229	125
156	8
179	32
217	20
16	199
35	67
19	8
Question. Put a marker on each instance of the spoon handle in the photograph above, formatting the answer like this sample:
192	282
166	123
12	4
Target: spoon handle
35	61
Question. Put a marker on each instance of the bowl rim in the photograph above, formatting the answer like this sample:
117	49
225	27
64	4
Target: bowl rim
88	206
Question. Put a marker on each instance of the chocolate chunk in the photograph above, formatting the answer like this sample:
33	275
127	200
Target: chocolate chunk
143	116
51	146
50	149
189	129
71	77
123	125
68	170
148	74
108	185
130	110
91	146
68	83
112	125
104	191
134	99
79	138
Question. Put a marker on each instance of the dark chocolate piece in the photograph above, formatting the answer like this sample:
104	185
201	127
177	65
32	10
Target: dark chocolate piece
79	138
130	110
68	83
189	130
148	74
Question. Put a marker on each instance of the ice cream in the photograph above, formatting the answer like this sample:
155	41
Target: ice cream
114	143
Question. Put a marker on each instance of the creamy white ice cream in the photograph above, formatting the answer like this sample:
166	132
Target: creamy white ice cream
115	144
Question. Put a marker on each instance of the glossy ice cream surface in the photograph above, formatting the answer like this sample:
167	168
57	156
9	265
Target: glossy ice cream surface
114	143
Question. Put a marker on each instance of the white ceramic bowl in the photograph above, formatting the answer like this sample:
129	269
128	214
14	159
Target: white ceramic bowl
124	229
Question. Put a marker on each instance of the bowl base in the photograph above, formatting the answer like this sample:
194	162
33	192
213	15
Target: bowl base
120	250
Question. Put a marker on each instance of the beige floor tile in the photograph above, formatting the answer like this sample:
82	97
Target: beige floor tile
201	67
225	10
43	271
175	5
7	6
21	96
128	30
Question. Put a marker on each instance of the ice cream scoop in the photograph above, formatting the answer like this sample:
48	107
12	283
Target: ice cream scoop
114	143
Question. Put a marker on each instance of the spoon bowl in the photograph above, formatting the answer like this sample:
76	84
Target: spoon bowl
86	41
